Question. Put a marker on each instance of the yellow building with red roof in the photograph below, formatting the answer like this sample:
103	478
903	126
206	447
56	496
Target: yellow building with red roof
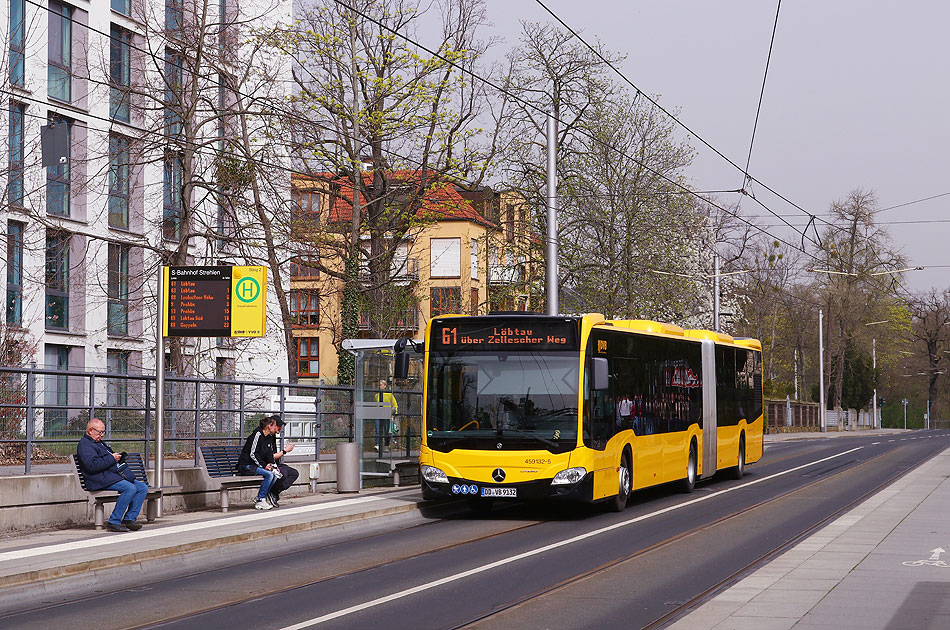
468	251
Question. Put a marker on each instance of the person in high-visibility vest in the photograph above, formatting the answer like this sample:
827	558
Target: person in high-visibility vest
383	433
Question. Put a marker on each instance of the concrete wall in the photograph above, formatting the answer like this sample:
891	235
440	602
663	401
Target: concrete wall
57	500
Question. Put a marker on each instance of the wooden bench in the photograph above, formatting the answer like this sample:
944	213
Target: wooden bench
221	463
137	466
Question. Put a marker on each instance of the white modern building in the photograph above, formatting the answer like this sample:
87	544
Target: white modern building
143	88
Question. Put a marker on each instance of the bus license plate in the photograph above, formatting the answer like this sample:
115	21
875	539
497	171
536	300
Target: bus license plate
509	493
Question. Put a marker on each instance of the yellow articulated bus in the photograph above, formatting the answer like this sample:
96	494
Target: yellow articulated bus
530	406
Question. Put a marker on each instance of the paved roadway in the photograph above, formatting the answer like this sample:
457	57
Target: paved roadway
521	566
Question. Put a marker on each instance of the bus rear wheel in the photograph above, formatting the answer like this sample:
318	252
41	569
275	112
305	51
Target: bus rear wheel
739	469
625	483
687	484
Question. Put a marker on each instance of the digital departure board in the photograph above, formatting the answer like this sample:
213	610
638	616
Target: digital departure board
214	301
504	333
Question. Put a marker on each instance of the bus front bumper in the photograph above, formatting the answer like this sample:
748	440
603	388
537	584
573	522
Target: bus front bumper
582	491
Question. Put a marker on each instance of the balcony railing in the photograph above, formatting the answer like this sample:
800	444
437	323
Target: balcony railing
407	323
404	270
503	274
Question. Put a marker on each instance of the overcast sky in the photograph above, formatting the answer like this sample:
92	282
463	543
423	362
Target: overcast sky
857	96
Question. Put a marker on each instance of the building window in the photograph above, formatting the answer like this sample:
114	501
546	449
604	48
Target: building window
445	257
305	307
474	259
510	223
173	85
474	304
120	73
307	206
174	17
117	391
118	316
304	267
15	273
18	42
17	120
57	177
445	300
57	280
172	199
59	73
308	356
122	6
56	390
119	182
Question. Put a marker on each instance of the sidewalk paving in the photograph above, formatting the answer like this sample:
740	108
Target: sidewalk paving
881	565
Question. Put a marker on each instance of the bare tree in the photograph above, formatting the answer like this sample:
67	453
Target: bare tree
931	313
382	126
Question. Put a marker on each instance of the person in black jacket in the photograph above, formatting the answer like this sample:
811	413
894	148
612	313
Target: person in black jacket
288	474
102	469
257	458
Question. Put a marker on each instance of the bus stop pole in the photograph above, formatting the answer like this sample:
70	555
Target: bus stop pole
160	385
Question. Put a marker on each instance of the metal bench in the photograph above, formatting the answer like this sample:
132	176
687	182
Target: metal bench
221	463
137	466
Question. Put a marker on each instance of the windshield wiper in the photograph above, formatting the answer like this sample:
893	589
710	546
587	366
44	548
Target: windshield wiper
528	434
554	412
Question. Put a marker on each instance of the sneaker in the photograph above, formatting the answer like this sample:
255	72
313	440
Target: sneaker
263	504
132	525
116	527
272	499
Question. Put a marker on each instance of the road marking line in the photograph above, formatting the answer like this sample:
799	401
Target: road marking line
112	539
534	552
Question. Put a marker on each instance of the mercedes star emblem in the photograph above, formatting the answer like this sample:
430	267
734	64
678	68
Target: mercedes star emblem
498	475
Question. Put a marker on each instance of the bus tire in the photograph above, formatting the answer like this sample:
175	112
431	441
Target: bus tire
625	483
687	484
739	469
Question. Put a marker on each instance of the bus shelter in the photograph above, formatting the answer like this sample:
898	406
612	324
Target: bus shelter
376	406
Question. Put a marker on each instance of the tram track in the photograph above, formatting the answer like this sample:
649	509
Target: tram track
686	606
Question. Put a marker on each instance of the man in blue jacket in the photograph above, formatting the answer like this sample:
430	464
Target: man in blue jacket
102	470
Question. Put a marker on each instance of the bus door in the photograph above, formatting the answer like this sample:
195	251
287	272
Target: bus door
709	408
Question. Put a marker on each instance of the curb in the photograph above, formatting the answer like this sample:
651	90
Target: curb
124	559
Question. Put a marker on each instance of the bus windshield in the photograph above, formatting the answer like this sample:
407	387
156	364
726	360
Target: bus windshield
520	400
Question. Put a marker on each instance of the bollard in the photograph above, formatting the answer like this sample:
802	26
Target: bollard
348	467
314	475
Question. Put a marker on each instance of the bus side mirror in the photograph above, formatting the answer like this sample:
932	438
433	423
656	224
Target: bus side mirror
600	374
401	365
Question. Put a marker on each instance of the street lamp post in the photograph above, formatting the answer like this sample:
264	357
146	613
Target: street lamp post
905	413
821	369
874	423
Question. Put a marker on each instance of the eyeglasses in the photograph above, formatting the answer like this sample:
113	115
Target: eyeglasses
99	431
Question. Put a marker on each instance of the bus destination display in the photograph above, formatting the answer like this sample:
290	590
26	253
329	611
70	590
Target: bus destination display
199	302
514	334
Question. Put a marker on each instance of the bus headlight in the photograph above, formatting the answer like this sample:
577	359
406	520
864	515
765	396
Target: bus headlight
571	475
433	474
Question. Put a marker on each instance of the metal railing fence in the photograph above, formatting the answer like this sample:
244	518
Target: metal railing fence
43	413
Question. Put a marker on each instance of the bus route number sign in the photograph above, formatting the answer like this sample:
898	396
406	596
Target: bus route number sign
528	335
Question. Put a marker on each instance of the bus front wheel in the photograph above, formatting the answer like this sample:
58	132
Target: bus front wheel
625	482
